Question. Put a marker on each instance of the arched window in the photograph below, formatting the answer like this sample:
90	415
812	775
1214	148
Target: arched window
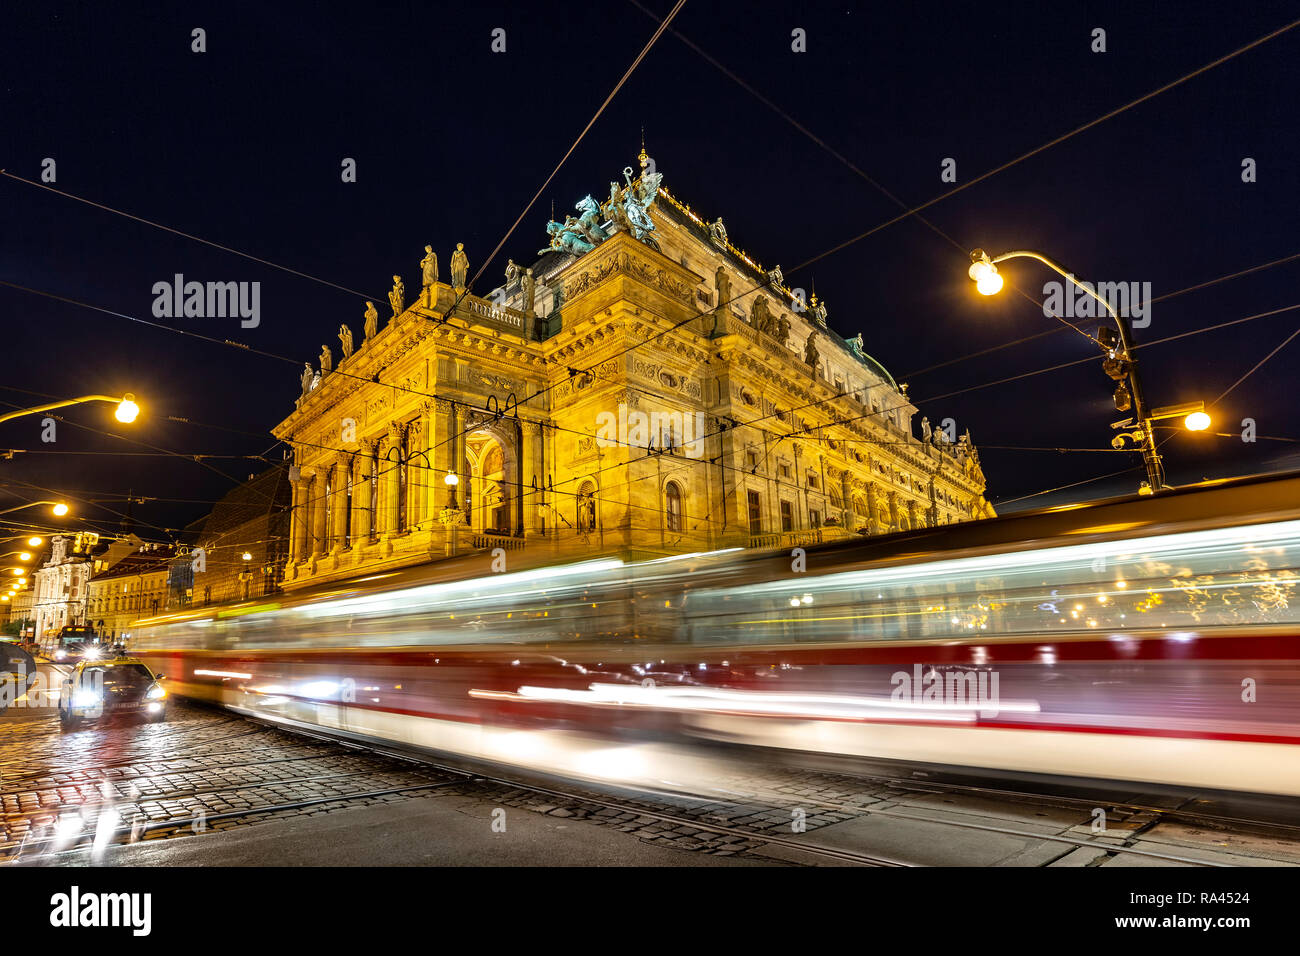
672	506
586	508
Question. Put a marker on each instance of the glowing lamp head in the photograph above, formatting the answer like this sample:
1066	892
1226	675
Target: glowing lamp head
452	480
127	409
25	556
246	556
60	510
985	274
1197	422
35	542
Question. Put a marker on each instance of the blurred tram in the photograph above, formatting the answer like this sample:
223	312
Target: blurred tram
1140	639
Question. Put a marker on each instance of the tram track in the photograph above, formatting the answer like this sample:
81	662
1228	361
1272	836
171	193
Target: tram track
1178	814
763	837
627	800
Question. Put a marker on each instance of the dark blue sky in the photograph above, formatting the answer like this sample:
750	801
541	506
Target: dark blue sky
242	145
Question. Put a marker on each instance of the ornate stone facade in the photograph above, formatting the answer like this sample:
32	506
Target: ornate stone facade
630	396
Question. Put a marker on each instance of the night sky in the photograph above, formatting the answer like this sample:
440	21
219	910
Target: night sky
242	145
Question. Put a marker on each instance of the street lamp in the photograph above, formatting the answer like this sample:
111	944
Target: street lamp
1120	364
22	555
59	509
127	409
451	516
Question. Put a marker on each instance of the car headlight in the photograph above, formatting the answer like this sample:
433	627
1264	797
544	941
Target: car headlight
60	654
155	693
85	698
92	654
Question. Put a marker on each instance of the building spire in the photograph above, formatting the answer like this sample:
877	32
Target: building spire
643	158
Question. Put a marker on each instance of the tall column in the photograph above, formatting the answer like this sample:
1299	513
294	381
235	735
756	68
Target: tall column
848	519
442	420
316	494
873	523
362	519
388	466
532	474
340	510
458	452
425	478
911	513
297	523
893	511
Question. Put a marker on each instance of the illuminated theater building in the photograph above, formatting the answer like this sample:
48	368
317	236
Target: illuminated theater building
643	388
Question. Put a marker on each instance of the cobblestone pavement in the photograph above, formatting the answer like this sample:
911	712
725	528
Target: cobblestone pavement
201	771
206	771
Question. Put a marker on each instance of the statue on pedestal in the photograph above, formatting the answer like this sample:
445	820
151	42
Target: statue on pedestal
810	353
759	317
326	361
782	332
723	282
530	291
345	340
818	311
429	267
306	378
459	267
372	322
926	431
397	297
776	278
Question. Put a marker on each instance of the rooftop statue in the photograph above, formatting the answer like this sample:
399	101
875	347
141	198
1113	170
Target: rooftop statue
776	277
855	344
818	311
718	232
397	296
759	316
429	266
306	378
372	322
459	267
589	223
512	271
345	340
626	210
530	290
810	353
565	238
326	361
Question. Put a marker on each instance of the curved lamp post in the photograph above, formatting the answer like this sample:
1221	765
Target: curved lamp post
127	410
60	508
1120	364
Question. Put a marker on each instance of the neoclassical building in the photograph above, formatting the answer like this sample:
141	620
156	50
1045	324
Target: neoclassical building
643	388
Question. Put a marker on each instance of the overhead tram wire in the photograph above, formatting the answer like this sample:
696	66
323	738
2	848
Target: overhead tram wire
738	423
590	123
831	251
1159	298
1007	165
753	424
913	211
186	235
1057	141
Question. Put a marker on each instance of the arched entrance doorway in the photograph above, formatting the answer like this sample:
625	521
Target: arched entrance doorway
490	496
